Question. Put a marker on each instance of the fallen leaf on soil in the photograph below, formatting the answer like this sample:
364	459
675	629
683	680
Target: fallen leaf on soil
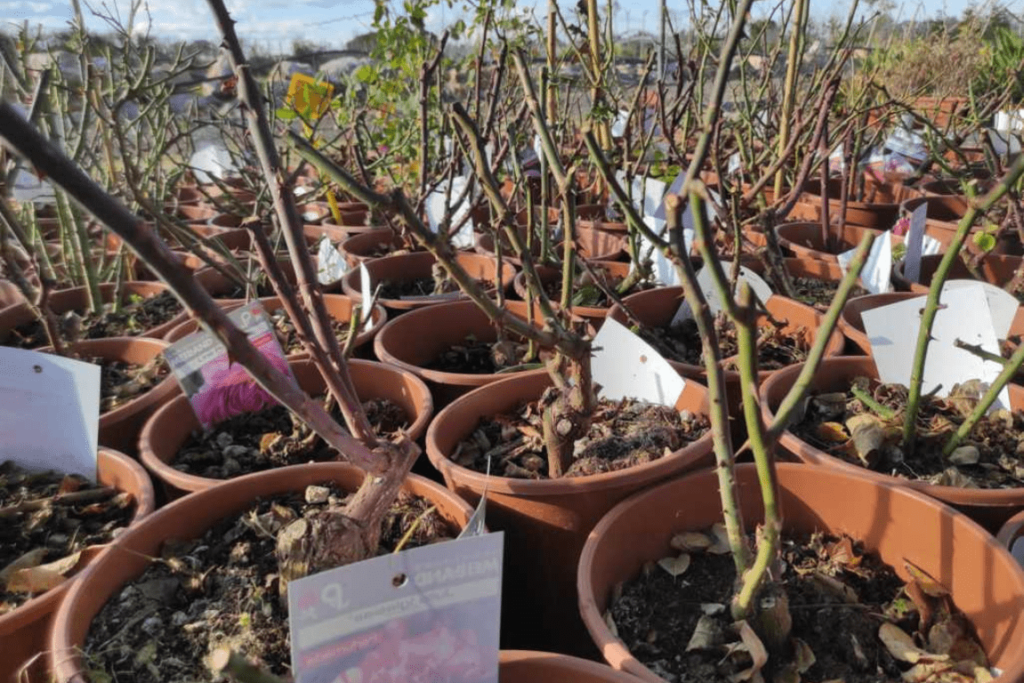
841	552
929	585
610	623
721	544
901	646
675	566
69	484
43	577
707	635
868	434
837	587
925	671
754	647
803	655
712	608
30	559
832	432
690	541
787	674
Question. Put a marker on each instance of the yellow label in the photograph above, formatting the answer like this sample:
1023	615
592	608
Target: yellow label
308	96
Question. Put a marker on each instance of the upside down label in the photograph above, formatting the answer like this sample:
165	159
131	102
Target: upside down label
427	615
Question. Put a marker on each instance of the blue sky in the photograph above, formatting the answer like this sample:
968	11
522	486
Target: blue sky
278	22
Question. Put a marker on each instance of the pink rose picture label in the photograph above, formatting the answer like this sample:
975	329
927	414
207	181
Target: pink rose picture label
426	615
217	387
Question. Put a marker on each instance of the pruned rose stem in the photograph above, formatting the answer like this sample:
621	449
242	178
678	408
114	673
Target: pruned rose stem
291	226
931	308
20	137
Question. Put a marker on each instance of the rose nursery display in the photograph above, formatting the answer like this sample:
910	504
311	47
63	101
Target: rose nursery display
516	352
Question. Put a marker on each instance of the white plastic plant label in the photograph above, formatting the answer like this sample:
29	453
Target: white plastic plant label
663	271
892	331
366	290
620	123
1009	121
217	387
625	366
735	163
875	276
435	205
915	242
330	265
654	195
418	616
1002	305
704	280
49	412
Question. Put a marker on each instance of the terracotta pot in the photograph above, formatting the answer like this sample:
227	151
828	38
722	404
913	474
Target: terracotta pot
220	286
9	294
120	428
415	265
545	522
1008	534
851	324
593	245
988	507
353	220
189	195
657	307
24	631
943	215
186	519
338	307
878	214
942	110
548	275
362	247
996	269
804	240
314	212
169	428
894	522
604	226
948	187
194	214
414	340
77	299
522	666
315	233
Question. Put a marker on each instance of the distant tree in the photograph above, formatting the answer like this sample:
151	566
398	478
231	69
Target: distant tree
365	42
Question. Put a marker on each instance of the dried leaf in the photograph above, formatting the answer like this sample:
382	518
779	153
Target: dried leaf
925	671
30	559
837	587
929	585
707	635
965	455
842	552
610	623
712	608
803	656
69	484
691	541
754	647
43	577
676	566
868	435
901	646
787	674
832	432
721	545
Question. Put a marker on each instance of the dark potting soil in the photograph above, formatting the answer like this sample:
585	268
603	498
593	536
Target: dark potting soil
585	292
622	434
137	315
122	382
682	343
49	517
992	457
851	618
270	438
290	339
820	293
474	357
223	590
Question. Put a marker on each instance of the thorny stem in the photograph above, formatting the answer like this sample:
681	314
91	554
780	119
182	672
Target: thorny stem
789	87
1009	371
725	463
768	541
21	138
931	307
291	225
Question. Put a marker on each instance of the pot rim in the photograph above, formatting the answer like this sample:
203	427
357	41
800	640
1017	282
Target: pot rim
649	471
